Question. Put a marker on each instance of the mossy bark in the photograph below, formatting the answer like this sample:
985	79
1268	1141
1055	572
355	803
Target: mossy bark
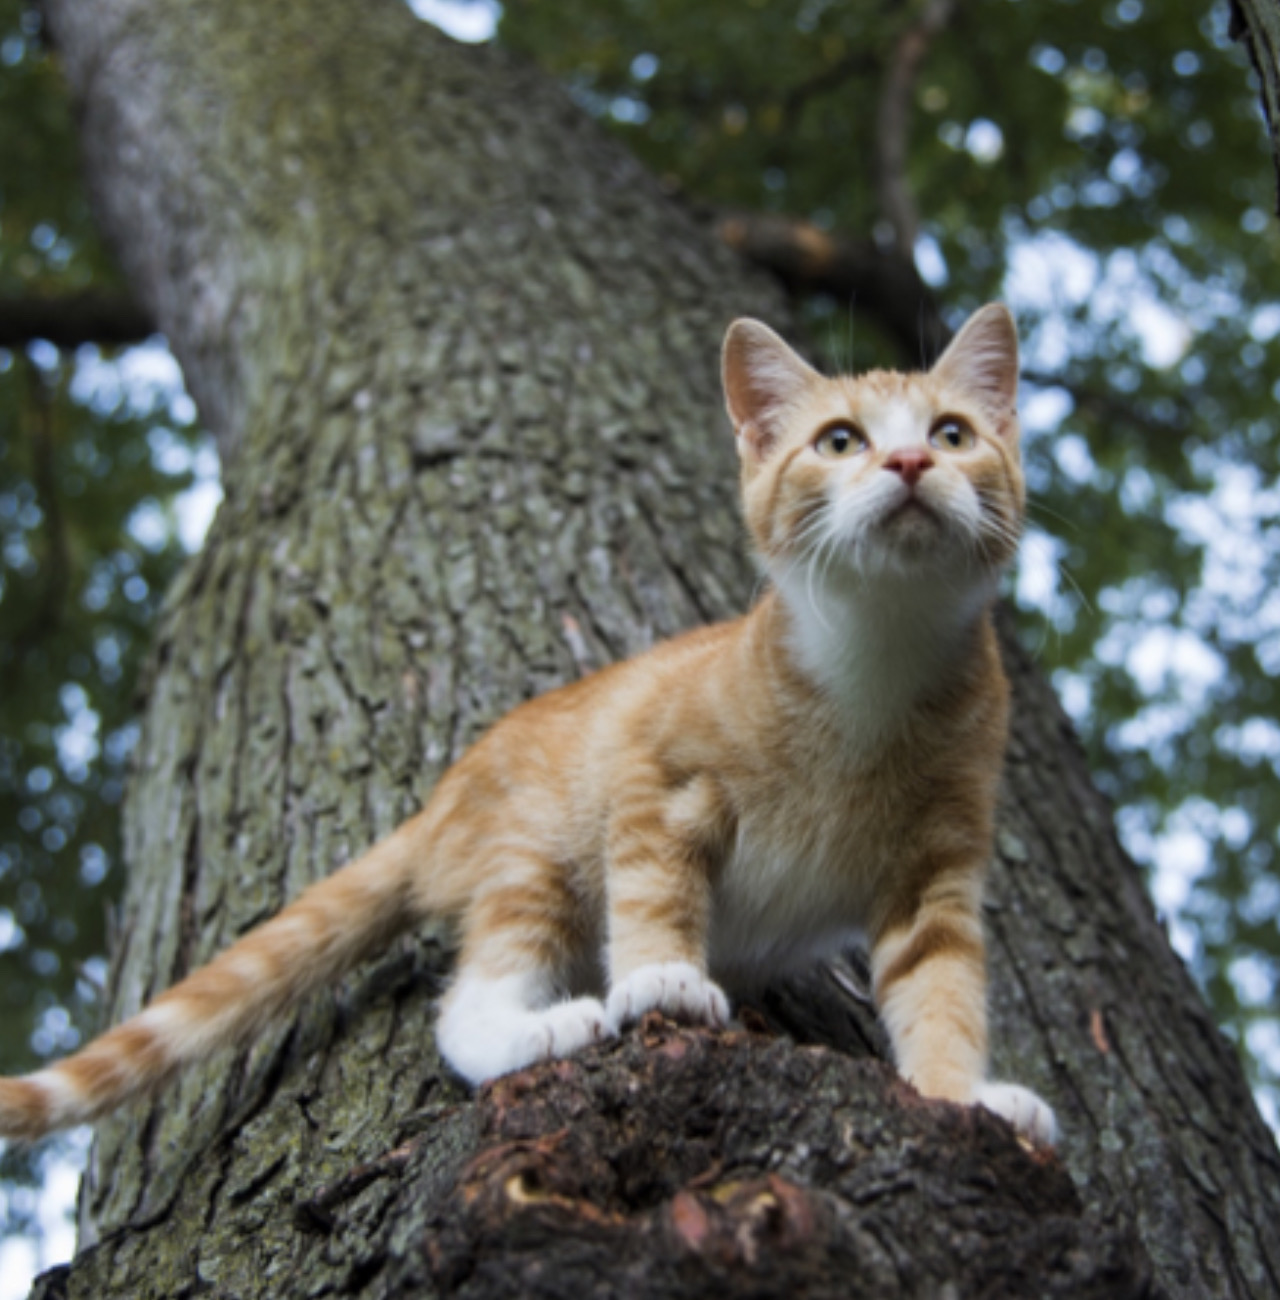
460	355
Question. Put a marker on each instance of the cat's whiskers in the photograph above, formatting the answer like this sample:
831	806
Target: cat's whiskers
811	570
1039	508
1013	536
1075	586
814	536
815	523
826	556
995	529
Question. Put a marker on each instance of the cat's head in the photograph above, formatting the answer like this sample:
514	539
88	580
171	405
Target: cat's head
884	472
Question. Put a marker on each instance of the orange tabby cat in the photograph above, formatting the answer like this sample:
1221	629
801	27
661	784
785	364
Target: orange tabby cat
735	803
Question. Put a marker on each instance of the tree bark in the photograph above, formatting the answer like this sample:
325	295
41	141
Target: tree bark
460	355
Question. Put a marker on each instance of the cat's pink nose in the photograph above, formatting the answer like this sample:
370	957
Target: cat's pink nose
910	464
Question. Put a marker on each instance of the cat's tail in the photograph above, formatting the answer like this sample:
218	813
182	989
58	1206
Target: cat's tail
313	941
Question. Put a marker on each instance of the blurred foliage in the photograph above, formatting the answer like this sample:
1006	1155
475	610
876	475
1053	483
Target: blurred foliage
90	459
83	560
1103	166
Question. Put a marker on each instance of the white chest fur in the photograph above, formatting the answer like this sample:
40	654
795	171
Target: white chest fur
783	903
813	850
873	648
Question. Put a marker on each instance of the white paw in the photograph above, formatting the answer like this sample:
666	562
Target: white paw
1022	1108
677	988
573	1025
484	1037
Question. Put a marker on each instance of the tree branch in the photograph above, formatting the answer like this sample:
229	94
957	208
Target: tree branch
893	124
91	316
37	421
883	282
828	79
1256	24
810	260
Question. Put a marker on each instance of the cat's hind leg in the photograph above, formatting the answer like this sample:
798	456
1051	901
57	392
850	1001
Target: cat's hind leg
504	1009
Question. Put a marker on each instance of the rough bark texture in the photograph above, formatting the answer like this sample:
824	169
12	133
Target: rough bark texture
461	358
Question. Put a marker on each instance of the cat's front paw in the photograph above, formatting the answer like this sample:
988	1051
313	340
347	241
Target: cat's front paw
1022	1108
676	988
570	1026
483	1038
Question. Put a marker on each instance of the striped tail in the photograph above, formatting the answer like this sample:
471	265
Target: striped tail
310	943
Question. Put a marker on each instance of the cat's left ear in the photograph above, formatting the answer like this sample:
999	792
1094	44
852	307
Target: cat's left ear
763	379
982	361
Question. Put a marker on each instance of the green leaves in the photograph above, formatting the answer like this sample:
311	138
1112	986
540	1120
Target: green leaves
91	456
84	561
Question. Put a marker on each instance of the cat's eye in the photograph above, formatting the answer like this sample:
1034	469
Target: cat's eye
952	434
840	439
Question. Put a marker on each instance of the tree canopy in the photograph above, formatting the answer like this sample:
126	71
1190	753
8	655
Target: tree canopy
1101	165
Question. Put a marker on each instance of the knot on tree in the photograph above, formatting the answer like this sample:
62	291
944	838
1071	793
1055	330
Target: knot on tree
685	1162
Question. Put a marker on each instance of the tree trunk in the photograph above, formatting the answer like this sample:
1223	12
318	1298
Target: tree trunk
461	358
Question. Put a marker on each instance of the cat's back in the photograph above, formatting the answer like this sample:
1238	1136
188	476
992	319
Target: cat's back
560	757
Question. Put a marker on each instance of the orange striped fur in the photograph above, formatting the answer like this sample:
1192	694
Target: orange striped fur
737	802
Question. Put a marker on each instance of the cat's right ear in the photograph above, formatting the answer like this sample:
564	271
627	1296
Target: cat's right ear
763	378
982	360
